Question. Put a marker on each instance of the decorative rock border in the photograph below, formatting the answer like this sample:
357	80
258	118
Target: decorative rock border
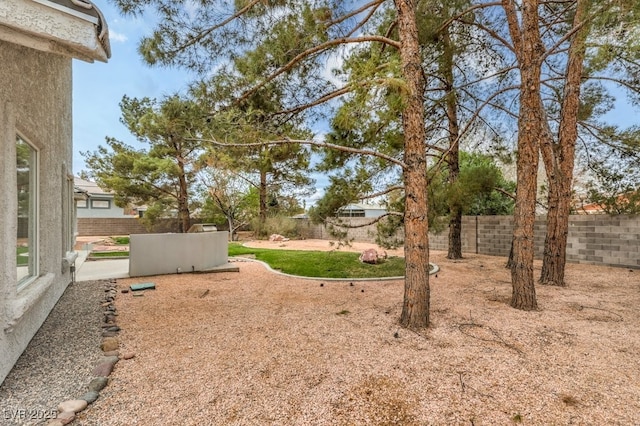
68	409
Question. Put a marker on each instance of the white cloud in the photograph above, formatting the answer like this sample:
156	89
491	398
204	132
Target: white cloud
116	36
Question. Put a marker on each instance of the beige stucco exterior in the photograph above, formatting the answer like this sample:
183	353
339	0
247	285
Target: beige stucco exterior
35	103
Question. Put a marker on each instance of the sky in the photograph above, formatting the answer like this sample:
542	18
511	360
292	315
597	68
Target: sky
99	87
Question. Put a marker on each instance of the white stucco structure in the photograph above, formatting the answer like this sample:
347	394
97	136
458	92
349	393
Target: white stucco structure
38	40
159	254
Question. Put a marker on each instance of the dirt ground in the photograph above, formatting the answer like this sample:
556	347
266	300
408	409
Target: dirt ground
253	347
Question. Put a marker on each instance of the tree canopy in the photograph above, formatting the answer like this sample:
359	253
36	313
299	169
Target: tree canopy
162	175
414	81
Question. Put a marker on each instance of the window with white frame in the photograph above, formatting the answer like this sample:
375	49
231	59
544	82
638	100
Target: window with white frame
27	234
100	204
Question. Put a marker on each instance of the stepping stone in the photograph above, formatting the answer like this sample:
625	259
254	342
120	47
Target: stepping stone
142	286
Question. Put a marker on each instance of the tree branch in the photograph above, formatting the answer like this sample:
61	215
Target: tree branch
372	222
319	48
325	145
203	34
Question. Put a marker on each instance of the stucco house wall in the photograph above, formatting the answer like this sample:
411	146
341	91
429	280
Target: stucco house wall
98	204
38	40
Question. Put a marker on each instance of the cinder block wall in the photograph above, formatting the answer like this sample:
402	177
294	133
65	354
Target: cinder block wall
357	233
440	241
593	239
605	240
93	226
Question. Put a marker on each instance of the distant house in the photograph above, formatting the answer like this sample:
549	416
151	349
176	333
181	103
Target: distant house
591	208
98	202
38	40
362	210
623	203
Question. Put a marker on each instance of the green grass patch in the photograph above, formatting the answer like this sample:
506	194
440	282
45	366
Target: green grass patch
22	260
109	254
123	241
321	264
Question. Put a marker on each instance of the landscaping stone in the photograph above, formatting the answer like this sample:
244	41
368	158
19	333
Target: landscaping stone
111	358
372	256
105	367
72	405
90	397
112	353
128	355
109	344
97	384
109	334
66	417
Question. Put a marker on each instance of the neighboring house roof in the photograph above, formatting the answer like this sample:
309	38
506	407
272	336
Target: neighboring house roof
592	208
622	200
74	28
91	188
79	193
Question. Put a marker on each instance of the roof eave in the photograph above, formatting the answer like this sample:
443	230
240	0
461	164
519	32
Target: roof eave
44	26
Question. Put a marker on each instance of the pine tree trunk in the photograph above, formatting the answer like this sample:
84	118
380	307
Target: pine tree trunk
453	156
559	160
553	255
509	264
183	200
415	307
529	50
455	235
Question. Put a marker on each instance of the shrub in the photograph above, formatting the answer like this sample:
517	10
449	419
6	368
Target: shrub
282	225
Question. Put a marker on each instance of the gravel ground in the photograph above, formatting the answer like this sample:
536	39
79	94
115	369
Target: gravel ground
255	348
57	364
